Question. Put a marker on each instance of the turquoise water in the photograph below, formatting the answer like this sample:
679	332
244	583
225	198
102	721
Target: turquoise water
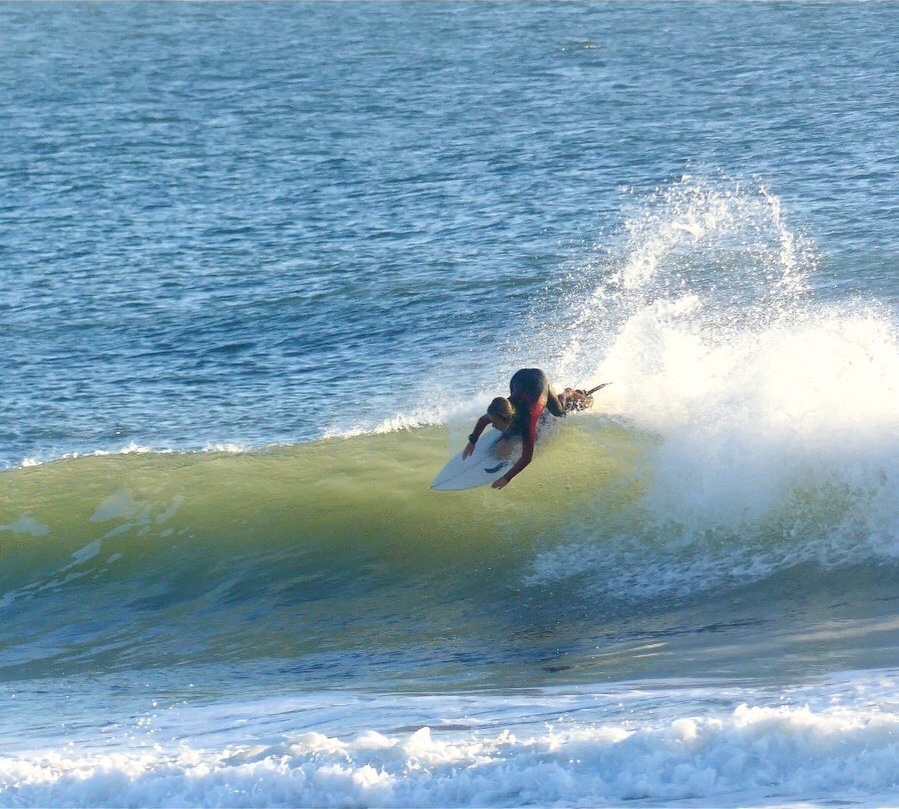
264	264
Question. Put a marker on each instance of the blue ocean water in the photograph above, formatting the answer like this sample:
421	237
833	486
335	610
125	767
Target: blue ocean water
263	265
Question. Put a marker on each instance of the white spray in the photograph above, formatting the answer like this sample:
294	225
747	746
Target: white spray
774	411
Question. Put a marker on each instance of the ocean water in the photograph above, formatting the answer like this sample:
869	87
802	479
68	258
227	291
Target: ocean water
262	266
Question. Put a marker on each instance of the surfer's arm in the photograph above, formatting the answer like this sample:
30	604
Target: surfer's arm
527	452
479	426
528	439
527	449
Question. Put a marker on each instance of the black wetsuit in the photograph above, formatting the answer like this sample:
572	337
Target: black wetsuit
530	394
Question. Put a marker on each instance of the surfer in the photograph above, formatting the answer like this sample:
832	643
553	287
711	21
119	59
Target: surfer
516	417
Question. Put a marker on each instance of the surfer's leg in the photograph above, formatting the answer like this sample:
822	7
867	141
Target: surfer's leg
553	403
528	383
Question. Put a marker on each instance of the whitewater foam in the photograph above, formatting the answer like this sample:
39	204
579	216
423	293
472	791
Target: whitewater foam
690	744
773	416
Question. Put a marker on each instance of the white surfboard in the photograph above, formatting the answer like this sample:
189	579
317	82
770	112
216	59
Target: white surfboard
479	469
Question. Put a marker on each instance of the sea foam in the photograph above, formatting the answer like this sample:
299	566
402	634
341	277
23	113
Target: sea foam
589	752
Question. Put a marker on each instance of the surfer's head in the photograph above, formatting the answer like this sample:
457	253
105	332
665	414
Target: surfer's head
501	412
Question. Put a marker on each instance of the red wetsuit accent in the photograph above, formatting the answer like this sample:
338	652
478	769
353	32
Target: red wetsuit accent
530	393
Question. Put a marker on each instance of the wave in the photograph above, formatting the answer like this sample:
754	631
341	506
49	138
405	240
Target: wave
751	435
304	551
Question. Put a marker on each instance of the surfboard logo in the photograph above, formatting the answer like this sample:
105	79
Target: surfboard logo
491	470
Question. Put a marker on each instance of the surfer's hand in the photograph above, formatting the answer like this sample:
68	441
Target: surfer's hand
469	448
499	483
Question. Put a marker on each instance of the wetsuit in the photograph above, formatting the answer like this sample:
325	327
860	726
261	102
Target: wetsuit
530	393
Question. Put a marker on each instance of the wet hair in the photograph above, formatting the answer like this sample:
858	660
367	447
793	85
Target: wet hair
502	408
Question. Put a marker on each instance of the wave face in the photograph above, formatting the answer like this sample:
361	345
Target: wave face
334	561
312	625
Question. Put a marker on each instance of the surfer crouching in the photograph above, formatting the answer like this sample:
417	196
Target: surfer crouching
516	417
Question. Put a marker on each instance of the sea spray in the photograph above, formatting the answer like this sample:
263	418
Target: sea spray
773	414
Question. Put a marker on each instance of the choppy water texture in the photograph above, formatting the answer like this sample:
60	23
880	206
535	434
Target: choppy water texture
264	264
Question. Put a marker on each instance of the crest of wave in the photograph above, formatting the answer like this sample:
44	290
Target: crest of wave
771	418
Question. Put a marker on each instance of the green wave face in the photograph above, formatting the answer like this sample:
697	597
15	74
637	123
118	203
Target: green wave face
334	562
